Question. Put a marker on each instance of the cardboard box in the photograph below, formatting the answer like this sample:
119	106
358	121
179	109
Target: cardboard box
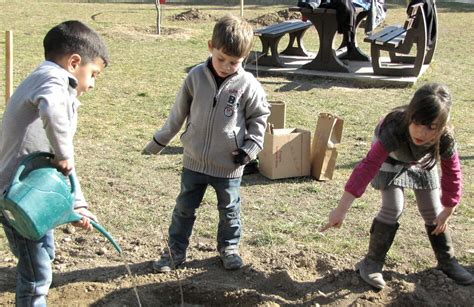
327	136
278	114
286	153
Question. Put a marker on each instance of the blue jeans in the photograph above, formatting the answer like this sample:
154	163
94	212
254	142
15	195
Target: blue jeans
193	187
34	271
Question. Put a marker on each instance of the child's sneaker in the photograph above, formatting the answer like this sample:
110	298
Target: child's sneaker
230	258
169	262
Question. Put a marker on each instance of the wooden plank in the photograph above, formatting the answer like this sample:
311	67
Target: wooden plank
412	10
278	26
409	23
394	43
390	36
282	28
381	33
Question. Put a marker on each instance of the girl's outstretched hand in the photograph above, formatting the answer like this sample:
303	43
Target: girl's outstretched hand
336	218
441	220
85	223
338	214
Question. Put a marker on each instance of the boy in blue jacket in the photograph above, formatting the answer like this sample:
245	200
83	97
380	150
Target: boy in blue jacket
225	110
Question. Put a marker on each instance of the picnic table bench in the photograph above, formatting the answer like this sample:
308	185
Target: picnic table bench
398	42
271	35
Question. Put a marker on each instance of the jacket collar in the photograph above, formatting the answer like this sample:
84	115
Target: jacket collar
71	79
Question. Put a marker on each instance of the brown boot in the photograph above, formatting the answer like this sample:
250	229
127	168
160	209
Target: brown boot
381	238
442	245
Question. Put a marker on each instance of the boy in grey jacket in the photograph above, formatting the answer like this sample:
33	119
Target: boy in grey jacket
42	116
225	110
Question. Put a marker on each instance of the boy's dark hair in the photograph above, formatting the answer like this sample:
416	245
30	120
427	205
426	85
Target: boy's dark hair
233	35
71	37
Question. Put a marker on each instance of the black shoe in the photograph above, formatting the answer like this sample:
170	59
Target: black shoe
230	258
169	262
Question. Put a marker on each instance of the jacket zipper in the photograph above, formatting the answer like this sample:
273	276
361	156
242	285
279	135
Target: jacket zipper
210	126
235	139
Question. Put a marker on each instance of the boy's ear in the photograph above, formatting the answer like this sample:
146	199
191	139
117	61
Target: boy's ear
209	45
73	62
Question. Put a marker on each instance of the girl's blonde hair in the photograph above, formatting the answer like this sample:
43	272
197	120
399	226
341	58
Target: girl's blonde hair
232	35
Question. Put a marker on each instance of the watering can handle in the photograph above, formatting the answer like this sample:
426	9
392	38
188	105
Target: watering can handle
72	181
31	157
28	159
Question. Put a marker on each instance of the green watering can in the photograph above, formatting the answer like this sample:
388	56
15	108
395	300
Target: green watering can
41	199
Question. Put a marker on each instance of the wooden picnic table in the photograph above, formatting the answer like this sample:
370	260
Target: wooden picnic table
325	22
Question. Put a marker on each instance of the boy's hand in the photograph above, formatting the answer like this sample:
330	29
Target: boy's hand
441	220
152	148
64	166
336	218
241	157
85	223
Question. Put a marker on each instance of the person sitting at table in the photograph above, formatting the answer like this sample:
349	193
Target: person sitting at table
377	12
346	15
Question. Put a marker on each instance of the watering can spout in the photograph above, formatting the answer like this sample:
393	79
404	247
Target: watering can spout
76	217
107	235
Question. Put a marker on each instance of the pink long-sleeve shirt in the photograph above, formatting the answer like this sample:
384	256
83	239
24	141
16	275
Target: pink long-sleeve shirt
365	171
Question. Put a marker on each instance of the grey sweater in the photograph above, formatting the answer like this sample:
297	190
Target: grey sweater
402	167
218	121
40	116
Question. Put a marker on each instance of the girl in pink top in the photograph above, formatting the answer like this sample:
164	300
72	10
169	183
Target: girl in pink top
407	145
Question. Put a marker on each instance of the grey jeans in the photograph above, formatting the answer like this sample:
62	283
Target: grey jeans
428	202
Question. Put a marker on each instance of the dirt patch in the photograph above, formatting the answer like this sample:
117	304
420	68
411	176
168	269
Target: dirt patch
147	33
192	15
289	275
275	17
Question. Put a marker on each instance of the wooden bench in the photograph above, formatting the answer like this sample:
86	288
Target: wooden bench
398	42
270	37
